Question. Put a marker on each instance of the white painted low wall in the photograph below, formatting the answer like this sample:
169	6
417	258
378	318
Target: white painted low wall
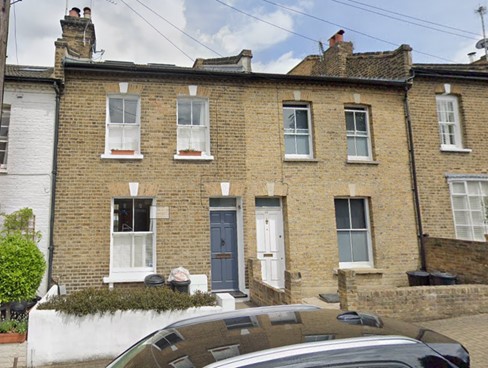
56	337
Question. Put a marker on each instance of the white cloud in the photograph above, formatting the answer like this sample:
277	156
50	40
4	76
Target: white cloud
281	65
251	33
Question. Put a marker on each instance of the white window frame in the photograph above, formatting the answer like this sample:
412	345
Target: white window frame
444	125
367	230
355	134
294	132
6	110
205	152
472	216
131	274
122	125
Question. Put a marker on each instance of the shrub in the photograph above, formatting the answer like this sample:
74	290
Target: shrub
22	268
92	301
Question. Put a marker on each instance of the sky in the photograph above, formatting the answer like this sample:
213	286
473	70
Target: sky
280	33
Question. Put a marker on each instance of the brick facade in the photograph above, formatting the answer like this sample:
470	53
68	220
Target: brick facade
247	145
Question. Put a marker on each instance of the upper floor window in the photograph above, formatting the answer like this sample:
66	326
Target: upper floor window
469	198
123	125
297	126
4	125
358	134
449	123
193	126
353	232
133	236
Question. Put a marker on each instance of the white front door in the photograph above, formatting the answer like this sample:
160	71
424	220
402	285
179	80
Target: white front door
270	245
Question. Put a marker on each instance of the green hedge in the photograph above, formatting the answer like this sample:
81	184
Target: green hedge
92	301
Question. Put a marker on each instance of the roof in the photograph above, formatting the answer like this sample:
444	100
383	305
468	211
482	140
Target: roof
29	72
465	71
167	70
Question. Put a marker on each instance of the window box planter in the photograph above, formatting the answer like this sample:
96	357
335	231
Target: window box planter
12	338
190	153
122	152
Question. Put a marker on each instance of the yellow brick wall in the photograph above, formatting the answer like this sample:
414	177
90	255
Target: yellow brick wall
248	147
432	164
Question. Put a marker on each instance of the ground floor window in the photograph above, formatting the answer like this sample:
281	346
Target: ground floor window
133	235
469	199
353	233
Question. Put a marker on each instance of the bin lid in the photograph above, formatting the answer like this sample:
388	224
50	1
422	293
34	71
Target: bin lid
153	279
446	275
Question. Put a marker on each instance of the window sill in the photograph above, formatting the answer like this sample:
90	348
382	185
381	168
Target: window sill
126	277
300	159
3	171
194	158
365	162
122	157
455	149
361	270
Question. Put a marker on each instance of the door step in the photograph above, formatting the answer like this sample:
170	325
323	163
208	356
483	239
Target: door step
235	293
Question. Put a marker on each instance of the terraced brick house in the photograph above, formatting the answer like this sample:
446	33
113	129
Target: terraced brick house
265	183
445	115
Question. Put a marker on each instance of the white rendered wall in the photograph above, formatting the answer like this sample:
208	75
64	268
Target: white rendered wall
56	337
27	180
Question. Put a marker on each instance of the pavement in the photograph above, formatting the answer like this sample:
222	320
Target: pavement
471	331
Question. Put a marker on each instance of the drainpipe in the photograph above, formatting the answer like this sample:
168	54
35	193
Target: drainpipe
420	232
54	173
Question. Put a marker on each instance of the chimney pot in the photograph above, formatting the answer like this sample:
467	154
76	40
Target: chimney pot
87	12
75	12
471	56
336	38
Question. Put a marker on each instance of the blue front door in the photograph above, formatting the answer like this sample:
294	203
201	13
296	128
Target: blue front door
223	243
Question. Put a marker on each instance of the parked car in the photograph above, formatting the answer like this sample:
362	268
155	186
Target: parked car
293	336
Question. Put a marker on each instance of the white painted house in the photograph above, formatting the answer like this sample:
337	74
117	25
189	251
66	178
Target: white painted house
27	137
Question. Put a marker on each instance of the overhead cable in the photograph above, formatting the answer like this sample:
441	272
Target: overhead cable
161	34
351	30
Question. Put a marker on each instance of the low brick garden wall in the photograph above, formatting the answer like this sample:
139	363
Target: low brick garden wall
466	259
413	304
261	293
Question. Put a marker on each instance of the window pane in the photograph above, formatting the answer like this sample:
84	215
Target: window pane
123	212
358	214
139	251
361	146
361	122
198	138
184	112
122	245
130	111
473	188
198	113
222	202
289	118
359	246
115	137
302	119
461	217
267	202
116	110
459	203
142	214
479	233
342	214
349	121
302	145
458	187
290	144
344	241
351	146
5	121
463	232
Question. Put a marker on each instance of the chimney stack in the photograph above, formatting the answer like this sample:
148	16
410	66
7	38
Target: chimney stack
337	38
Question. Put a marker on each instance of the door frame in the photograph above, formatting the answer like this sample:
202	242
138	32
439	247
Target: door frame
240	241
